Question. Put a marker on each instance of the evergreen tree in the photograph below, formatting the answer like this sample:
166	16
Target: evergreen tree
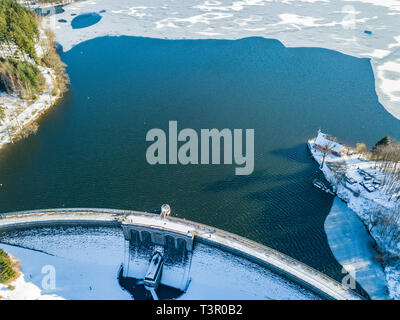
19	27
385	141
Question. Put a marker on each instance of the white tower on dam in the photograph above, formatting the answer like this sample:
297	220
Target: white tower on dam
137	228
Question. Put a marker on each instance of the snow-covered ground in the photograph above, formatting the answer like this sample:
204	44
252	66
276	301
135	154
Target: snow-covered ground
86	262
23	289
30	110
364	203
362	28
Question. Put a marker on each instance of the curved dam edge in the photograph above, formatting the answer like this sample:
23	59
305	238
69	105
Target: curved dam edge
253	251
353	248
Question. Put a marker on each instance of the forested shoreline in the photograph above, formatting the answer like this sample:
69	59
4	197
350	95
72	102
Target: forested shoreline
27	56
19	33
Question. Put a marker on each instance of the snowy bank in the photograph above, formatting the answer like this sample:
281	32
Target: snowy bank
352	247
31	111
23	289
358	182
361	28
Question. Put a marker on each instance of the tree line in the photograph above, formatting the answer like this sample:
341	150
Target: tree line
386	155
20	66
18	28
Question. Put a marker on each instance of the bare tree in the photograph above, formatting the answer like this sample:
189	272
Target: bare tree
325	149
10	131
28	130
8	125
15	114
2	113
339	169
373	220
361	148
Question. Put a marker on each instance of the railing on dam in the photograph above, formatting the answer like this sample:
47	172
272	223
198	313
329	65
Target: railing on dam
69	210
256	252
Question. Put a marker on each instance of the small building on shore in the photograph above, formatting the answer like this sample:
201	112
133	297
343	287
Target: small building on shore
324	143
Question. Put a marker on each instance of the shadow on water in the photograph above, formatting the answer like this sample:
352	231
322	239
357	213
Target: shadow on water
140	253
295	153
90	151
138	292
307	220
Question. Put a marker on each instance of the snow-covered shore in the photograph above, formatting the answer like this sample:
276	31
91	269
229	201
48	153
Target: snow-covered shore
352	247
21	289
361	28
31	111
364	203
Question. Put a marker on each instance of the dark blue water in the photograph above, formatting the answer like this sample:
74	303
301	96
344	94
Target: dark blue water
85	20
90	150
57	9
